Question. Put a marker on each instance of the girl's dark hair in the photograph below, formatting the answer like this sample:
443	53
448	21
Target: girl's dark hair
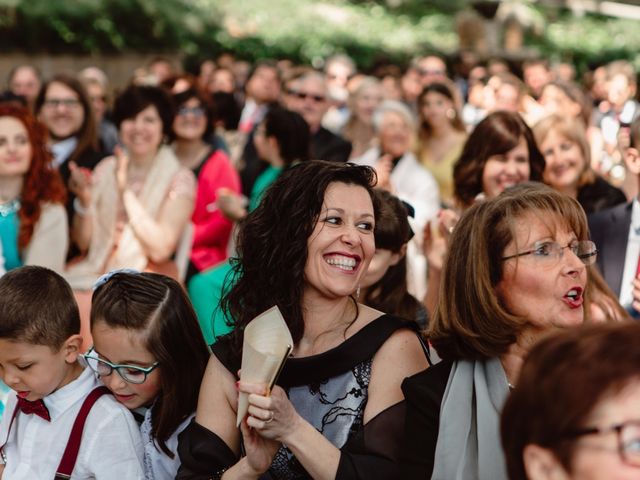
498	133
291	132
88	133
392	232
272	243
181	98
138	97
158	306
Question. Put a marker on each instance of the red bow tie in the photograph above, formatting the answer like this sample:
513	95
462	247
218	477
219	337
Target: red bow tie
38	407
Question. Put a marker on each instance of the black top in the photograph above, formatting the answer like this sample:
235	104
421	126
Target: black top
599	195
423	394
326	145
609	229
316	387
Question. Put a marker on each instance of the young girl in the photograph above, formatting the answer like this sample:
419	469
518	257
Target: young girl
384	287
145	329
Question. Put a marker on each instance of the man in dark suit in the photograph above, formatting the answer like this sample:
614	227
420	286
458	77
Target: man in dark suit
616	233
307	95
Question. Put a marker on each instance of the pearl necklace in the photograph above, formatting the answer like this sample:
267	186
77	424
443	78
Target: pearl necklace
10	207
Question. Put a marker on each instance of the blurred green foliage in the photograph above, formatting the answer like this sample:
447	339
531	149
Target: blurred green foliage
301	30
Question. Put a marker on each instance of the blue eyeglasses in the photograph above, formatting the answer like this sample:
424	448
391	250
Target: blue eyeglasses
129	373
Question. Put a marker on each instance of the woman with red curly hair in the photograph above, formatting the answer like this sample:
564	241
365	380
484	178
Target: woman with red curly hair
33	220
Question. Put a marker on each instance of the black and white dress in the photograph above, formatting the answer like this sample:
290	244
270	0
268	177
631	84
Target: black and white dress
330	391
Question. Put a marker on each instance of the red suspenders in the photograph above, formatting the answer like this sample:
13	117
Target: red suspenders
73	444
70	454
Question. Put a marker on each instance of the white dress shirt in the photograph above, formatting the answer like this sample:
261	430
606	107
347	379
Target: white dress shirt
111	446
157	464
631	256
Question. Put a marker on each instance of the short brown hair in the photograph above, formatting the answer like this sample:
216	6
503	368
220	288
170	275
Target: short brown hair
573	131
498	133
37	306
470	321
563	379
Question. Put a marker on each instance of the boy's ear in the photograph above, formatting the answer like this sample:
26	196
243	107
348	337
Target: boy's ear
72	348
632	160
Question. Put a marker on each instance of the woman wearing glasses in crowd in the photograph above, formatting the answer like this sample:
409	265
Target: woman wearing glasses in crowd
516	270
192	126
574	412
63	106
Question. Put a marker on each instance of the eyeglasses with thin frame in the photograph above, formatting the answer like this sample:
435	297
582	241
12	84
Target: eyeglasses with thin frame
195	111
551	252
129	373
628	437
66	102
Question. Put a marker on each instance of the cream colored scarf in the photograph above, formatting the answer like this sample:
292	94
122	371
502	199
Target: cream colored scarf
129	253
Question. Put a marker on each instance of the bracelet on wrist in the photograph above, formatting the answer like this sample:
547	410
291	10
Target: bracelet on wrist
79	209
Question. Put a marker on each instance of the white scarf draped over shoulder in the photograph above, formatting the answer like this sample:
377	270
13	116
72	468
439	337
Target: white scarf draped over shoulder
468	446
129	253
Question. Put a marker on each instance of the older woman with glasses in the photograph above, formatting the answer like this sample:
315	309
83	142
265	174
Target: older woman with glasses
516	270
574	413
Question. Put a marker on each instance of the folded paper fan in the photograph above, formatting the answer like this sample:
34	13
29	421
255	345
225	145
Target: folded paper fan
266	345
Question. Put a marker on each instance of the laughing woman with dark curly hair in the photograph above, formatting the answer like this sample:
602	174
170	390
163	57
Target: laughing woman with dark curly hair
33	221
337	409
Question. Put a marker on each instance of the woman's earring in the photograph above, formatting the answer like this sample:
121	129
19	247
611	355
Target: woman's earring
358	293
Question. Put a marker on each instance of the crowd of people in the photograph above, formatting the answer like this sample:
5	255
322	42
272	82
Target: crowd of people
454	249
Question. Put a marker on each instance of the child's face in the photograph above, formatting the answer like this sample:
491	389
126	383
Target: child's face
35	371
124	346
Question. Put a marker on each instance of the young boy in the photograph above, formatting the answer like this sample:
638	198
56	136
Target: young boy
39	350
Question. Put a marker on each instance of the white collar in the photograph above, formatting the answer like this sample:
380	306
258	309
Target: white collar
62	150
635	216
67	397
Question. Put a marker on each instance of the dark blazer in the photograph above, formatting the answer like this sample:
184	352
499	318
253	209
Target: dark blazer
326	145
609	230
599	195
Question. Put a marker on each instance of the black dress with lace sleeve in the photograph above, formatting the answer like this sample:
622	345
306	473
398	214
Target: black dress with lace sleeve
330	391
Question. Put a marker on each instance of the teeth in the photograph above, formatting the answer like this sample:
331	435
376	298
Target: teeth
572	293
345	263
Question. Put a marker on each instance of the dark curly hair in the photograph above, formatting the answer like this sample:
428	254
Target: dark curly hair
272	243
41	182
498	133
